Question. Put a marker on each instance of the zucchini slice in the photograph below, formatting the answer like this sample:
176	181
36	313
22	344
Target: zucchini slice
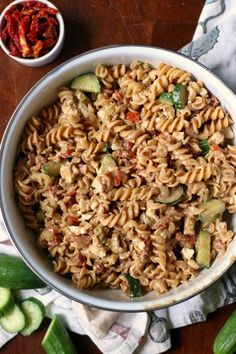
213	208
6	300
34	312
87	83
174	197
15	274
166	97
204	145
133	286
14	320
203	249
57	339
180	96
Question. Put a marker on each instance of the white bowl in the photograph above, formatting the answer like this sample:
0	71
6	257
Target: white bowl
52	54
44	93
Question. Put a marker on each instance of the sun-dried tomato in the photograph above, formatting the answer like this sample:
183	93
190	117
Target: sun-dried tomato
31	29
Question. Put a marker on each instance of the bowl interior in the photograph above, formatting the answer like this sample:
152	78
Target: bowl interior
43	94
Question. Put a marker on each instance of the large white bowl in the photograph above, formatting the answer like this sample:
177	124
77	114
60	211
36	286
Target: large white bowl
43	94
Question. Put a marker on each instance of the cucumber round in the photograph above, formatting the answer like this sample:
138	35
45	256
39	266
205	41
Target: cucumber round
87	83
166	98
174	197
57	339
34	312
6	300
14	320
180	96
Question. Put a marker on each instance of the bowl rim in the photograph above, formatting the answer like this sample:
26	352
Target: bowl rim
105	304
28	61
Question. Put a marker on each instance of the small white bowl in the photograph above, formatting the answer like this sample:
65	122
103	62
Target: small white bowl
43	94
52	54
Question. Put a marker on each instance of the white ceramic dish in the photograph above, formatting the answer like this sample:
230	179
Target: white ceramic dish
43	94
52	54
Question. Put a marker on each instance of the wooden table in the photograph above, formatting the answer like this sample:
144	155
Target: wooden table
91	24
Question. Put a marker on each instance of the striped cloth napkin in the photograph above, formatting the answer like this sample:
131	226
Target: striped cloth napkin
121	333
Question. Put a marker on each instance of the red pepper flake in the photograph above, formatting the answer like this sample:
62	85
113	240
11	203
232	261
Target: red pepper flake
215	148
132	117
31	29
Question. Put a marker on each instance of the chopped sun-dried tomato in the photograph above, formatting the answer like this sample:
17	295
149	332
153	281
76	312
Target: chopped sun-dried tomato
72	220
31	29
128	144
132	117
215	148
119	178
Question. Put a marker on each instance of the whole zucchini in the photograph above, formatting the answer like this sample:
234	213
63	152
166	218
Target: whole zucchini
15	274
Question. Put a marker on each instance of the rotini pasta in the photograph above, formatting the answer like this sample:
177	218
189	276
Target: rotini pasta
115	182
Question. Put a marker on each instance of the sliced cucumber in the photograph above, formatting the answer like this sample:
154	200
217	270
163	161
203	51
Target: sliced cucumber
34	312
14	320
174	197
57	339
166	97
213	208
6	300
15	274
180	96
204	145
203	249
87	83
134	286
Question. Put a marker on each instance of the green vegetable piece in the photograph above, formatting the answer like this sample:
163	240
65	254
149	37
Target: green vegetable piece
15	274
134	286
225	341
87	83
57	339
40	216
108	148
166	97
52	168
14	320
34	312
174	197
180	96
213	208
6	300
204	145
203	249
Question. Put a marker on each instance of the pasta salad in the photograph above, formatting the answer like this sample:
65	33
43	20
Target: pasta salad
125	179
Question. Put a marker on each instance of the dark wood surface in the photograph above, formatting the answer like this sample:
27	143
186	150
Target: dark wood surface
91	24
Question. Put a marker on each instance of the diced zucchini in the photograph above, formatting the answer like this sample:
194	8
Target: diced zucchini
34	312
87	83
213	208
133	286
174	197
180	96
57	339
15	274
6	300
166	97
204	145
52	168
203	249
14	320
